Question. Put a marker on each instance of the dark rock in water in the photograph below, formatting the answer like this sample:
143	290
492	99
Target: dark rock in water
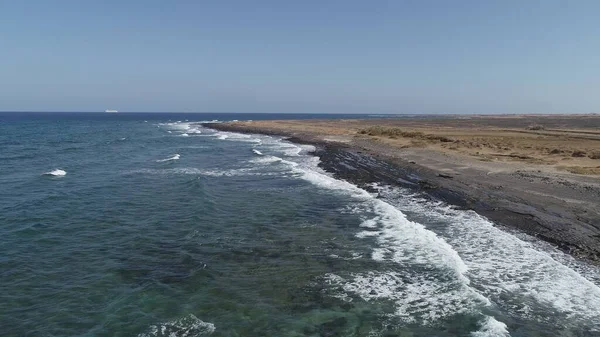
445	175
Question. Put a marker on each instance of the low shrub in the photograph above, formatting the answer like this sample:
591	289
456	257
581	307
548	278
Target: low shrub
394	132
594	155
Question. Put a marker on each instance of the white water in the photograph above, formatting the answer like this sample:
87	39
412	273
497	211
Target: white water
504	266
491	328
238	137
184	129
56	173
174	157
188	326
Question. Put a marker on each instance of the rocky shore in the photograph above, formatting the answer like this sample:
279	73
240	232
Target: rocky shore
557	207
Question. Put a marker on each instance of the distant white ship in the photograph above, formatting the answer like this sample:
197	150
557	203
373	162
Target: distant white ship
109	110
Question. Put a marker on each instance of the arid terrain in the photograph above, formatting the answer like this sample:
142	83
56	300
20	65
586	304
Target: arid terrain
539	174
564	143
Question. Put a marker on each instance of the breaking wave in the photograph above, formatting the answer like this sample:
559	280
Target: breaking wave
174	157
56	173
188	326
516	275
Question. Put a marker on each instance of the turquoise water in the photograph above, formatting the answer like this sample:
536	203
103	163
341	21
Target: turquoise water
151	225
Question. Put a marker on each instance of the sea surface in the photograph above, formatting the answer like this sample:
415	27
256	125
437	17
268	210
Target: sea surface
152	225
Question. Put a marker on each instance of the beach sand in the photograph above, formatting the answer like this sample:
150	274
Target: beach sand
538	174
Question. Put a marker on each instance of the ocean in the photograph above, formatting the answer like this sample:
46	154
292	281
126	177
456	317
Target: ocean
153	225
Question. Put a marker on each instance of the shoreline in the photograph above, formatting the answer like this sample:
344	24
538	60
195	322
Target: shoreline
542	213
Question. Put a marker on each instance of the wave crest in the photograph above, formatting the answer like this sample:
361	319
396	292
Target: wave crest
183	327
56	173
174	157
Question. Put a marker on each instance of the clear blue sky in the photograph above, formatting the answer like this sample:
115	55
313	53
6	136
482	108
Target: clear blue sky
301	56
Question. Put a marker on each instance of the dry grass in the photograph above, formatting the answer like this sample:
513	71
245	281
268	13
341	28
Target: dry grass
594	155
569	141
395	132
581	170
573	149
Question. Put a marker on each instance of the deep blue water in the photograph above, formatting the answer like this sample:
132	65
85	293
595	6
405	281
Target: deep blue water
151	225
137	116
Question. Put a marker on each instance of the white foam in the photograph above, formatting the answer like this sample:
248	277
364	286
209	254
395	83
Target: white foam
174	157
183	128
188	326
176	126
237	137
439	284
417	298
257	152
265	160
491	328
56	173
293	151
287	149
515	274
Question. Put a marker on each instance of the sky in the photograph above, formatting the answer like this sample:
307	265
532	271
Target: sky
308	56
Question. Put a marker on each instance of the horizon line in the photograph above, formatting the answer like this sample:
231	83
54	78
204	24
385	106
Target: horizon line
309	113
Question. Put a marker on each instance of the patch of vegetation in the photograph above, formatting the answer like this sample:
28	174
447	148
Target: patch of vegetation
594	155
389	132
394	132
581	169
